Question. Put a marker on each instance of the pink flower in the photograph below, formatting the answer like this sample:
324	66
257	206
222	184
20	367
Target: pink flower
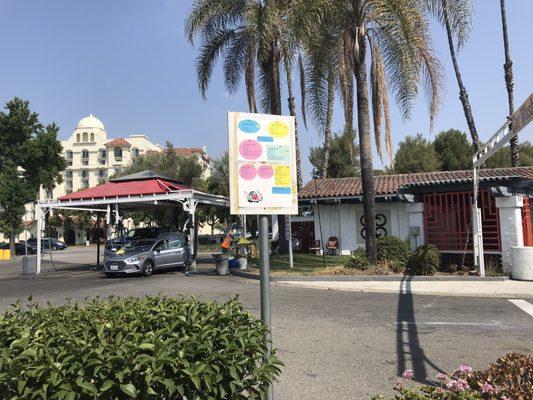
441	377
465	368
487	388
408	374
457	385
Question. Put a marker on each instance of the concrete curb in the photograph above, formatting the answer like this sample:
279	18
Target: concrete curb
369	278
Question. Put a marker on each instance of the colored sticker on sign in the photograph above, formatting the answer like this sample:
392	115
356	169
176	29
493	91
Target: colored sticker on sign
247	172
249	126
265	171
282	175
250	149
278	129
278	153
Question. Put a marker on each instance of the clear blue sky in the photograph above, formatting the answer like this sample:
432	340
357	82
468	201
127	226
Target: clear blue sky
127	62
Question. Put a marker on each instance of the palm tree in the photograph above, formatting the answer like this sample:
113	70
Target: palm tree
250	35
456	16
226	28
397	38
509	83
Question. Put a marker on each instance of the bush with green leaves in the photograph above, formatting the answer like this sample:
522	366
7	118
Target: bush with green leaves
395	252
358	260
130	348
424	261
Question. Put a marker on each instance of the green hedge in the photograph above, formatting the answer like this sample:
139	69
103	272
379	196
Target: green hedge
130	348
393	251
425	260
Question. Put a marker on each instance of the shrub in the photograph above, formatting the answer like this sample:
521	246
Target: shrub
424	261
358	260
511	374
394	252
511	377
150	348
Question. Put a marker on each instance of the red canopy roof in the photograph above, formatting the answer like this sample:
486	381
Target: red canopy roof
126	188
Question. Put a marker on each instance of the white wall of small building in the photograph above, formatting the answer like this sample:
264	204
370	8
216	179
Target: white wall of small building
344	222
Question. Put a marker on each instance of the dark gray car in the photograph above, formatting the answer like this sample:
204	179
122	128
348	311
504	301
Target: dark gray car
146	255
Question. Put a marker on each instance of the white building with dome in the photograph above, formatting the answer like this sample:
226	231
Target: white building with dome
92	156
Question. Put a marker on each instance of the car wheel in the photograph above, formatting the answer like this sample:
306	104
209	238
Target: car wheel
54	247
148	267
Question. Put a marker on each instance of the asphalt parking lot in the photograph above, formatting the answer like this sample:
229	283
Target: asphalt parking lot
335	344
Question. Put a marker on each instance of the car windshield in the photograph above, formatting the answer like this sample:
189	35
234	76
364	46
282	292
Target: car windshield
141	245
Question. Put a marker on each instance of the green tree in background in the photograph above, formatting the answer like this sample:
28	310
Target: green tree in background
30	157
416	154
339	163
454	150
502	158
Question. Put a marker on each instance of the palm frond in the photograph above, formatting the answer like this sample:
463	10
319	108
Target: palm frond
460	14
209	53
303	93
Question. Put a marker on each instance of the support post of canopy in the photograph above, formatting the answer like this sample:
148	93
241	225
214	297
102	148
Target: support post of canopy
192	211
38	217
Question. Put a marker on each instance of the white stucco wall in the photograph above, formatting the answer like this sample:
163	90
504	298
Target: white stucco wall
344	222
511	232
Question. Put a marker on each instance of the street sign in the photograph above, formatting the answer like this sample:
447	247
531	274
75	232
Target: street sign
523	116
262	164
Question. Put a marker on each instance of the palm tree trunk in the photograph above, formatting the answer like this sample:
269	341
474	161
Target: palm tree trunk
329	121
365	151
292	112
250	77
509	83
463	95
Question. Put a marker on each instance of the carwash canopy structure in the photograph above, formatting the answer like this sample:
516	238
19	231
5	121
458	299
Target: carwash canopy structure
145	190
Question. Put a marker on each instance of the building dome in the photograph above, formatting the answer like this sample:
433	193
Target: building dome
90	122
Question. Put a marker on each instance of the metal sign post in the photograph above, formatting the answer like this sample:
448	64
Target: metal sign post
262	169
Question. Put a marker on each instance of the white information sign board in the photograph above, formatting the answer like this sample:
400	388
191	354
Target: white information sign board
262	164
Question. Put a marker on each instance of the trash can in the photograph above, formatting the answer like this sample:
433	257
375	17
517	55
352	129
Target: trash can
29	265
221	263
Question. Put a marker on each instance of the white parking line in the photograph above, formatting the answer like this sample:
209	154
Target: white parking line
492	323
523	305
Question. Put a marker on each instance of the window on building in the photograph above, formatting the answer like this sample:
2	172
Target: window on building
118	154
102	173
69	174
92	137
85	174
68	156
49	194
78	138
85	137
118	169
85	183
135	152
69	184
85	157
102	156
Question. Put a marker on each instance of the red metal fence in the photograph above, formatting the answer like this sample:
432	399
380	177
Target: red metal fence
527	223
447	220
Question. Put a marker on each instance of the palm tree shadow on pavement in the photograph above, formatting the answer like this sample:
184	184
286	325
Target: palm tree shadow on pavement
408	347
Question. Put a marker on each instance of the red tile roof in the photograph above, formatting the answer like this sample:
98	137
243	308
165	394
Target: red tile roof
391	184
118	142
124	189
189	151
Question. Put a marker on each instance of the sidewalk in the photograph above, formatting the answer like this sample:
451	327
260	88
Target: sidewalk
506	288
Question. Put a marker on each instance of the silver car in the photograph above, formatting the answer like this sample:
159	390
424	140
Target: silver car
146	255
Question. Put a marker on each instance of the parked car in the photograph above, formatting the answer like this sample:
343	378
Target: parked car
116	243
144	256
48	243
20	248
